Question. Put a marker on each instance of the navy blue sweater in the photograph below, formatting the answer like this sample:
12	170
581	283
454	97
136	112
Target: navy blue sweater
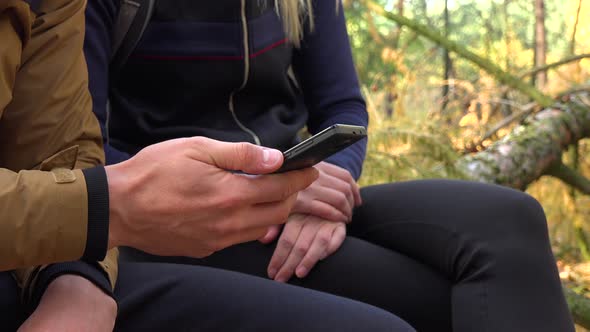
198	57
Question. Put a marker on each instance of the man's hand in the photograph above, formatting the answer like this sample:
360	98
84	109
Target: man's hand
180	197
305	240
332	196
71	304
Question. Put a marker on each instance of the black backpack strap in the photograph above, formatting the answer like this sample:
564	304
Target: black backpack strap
134	16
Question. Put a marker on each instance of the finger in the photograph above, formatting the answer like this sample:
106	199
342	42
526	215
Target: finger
271	234
264	215
356	191
335	198
317	249
328	181
337	171
338	237
246	157
344	175
286	242
320	209
276	187
298	251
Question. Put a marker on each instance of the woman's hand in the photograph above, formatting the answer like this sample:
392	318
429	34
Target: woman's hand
331	197
316	229
306	239
72	303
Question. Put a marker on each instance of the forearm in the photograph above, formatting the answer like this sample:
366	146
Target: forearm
326	73
351	158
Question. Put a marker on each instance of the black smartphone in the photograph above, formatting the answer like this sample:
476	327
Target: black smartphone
321	145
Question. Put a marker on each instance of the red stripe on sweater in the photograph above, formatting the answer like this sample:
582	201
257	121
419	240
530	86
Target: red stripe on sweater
208	57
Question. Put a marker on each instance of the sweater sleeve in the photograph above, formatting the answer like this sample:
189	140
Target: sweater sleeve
100	19
325	71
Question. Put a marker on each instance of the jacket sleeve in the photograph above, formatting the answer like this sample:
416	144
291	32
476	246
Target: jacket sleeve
100	19
56	213
43	218
325	71
34	280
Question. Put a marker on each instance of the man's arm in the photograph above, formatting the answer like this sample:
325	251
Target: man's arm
52	214
38	209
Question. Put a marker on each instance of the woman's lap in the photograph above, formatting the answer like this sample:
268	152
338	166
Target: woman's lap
440	254
491	242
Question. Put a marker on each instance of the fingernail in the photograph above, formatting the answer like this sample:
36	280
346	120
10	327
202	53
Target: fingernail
272	273
343	217
301	272
270	156
281	279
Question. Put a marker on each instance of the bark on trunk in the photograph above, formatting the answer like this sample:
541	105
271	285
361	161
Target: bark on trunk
530	150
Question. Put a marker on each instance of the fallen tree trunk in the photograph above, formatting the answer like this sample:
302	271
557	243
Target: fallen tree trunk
579	306
530	150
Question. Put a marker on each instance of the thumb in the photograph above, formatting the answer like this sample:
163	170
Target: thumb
245	157
271	234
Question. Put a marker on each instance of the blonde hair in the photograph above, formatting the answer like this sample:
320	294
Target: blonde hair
294	14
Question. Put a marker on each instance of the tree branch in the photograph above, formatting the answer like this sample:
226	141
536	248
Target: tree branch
565	61
517	116
569	176
574	90
484	64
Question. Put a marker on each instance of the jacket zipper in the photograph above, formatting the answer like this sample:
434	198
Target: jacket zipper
244	21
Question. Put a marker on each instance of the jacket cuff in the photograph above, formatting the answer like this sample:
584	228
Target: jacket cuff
97	237
89	271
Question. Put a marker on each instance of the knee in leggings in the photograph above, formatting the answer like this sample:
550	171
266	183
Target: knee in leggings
509	210
524	214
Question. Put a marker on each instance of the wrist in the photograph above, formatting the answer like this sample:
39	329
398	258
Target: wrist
75	298
70	288
86	272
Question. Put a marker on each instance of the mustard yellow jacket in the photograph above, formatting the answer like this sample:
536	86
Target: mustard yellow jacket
47	134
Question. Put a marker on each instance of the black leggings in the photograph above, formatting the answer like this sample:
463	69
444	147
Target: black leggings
172	297
443	255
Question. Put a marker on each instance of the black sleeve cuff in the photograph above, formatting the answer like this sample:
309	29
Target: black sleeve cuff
89	271
97	238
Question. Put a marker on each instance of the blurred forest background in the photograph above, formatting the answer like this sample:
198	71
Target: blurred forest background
489	90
